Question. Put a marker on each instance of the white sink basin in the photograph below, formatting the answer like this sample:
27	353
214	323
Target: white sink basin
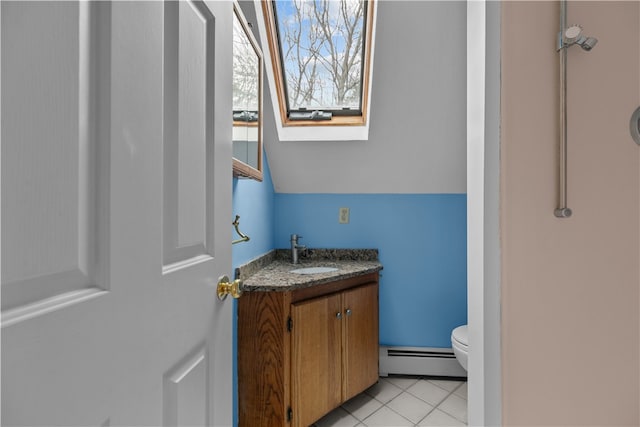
314	270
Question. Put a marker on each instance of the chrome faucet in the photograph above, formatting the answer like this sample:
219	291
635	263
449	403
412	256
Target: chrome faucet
294	248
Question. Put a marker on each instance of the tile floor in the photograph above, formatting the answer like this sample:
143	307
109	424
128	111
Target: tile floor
399	401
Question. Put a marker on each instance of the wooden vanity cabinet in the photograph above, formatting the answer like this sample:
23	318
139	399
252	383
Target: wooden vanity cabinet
303	353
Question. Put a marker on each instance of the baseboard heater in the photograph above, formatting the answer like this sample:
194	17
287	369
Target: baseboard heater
437	362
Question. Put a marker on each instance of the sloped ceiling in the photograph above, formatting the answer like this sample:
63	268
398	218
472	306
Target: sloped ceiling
417	138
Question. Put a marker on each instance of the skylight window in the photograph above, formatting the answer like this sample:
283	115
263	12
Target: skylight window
320	53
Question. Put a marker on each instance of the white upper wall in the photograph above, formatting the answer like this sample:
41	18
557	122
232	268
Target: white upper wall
417	135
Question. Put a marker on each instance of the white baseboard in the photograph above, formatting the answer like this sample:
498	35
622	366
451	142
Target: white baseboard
437	362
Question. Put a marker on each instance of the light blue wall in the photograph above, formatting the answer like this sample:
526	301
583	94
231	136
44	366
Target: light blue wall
254	202
422	245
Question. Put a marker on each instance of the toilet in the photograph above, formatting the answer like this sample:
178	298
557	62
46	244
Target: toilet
460	344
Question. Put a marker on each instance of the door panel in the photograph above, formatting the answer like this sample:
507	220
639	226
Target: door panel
316	358
85	179
185	392
360	339
52	251
188	140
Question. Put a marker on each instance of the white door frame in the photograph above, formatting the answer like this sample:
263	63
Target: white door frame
483	248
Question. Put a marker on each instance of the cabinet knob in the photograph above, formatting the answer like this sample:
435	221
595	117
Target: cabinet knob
339	315
348	312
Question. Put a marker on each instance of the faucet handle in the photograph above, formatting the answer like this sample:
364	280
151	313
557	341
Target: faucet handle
295	237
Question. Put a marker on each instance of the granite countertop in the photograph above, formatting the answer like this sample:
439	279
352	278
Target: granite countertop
272	272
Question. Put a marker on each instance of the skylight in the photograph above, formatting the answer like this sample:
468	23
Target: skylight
321	44
320	53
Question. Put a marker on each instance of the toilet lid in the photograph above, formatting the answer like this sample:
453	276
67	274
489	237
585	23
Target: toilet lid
460	335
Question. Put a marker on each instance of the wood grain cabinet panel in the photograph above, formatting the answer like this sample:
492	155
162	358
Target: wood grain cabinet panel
302	353
360	355
316	362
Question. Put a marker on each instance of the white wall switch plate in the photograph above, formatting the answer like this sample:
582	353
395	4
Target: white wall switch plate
343	216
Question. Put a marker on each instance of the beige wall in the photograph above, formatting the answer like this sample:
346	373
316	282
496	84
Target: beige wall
570	287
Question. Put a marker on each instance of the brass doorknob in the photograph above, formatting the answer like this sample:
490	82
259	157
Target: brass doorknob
229	288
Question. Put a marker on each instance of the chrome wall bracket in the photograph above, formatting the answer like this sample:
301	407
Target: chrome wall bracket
634	126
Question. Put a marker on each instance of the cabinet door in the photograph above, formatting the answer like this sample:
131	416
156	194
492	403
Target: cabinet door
316	358
360	367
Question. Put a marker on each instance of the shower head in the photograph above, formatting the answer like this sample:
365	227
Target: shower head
573	35
587	43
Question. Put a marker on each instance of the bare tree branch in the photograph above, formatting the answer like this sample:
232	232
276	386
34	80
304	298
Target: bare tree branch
322	44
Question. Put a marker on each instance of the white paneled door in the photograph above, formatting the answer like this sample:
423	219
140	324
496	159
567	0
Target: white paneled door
116	220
